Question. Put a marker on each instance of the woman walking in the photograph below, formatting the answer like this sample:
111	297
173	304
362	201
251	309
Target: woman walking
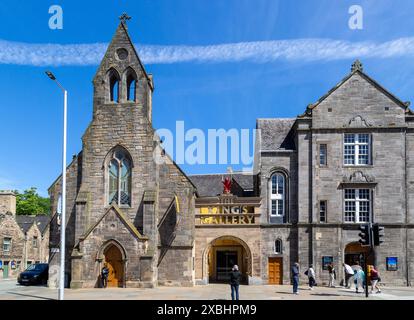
374	280
359	279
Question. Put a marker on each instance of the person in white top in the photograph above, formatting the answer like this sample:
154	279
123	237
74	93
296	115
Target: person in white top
311	276
349	273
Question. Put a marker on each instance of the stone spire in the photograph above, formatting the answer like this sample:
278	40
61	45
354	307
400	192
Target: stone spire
357	65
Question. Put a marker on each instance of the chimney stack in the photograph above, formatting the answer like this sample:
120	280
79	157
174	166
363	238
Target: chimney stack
7	202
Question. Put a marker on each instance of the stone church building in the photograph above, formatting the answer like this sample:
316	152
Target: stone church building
124	207
346	161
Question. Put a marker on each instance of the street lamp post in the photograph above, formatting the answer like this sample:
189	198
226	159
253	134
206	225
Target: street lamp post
63	215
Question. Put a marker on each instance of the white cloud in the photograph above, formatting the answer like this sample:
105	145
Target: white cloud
260	52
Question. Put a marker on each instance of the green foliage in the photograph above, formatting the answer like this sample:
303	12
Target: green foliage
29	202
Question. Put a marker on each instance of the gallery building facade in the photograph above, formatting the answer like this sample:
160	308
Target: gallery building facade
347	160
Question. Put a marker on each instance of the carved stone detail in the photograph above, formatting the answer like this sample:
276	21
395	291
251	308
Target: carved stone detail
358	177
358	122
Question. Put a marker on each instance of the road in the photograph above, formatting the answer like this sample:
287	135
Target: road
9	290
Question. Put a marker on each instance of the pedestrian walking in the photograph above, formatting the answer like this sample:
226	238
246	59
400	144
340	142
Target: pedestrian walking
375	278
359	277
332	275
349	273
235	277
104	276
311	277
295	277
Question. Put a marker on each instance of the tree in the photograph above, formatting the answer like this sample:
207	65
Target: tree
29	202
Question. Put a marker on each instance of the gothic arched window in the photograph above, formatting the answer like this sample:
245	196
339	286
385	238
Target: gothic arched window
113	80
119	178
278	246
131	84
277	191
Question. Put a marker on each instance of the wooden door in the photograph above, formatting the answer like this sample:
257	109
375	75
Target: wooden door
275	270
113	260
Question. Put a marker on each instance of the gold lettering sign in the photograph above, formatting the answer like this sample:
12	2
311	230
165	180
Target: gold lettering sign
228	214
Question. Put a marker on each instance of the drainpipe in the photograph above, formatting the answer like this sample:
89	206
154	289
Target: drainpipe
25	251
407	265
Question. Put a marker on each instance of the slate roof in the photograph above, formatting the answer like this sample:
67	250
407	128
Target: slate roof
276	134
210	185
26	221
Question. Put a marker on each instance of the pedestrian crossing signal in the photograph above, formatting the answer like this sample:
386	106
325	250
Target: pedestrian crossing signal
365	235
378	233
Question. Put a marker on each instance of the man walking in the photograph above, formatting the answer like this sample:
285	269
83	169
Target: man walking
332	275
311	276
349	273
295	277
235	277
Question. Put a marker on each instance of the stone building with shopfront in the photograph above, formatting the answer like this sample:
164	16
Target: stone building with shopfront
346	161
24	239
129	206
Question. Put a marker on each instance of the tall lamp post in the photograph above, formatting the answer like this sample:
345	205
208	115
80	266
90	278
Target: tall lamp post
63	216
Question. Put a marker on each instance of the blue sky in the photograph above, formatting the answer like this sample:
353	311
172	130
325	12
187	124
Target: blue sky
205	94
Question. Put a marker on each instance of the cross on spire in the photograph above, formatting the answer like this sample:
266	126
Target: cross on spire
124	17
357	65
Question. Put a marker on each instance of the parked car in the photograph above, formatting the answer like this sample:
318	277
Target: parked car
37	273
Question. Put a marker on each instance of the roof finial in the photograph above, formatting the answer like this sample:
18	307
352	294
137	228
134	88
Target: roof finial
124	17
357	65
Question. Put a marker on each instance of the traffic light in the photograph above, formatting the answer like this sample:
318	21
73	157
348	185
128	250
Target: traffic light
378	233
365	235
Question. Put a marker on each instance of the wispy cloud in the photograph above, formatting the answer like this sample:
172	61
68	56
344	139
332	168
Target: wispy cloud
260	52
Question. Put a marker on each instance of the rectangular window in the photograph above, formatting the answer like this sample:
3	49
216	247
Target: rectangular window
34	242
322	211
357	149
323	153
6	244
357	205
277	195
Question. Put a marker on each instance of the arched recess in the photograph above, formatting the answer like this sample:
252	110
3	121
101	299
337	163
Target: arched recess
354	252
113	255
247	260
130	80
113	85
108	243
118	165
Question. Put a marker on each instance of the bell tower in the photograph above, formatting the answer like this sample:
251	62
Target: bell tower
121	80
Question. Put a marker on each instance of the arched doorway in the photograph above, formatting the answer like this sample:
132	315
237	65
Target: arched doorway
222	254
114	261
355	252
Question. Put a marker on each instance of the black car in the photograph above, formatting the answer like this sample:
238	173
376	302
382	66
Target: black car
35	274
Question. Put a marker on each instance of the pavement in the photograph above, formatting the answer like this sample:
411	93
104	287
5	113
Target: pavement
10	290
